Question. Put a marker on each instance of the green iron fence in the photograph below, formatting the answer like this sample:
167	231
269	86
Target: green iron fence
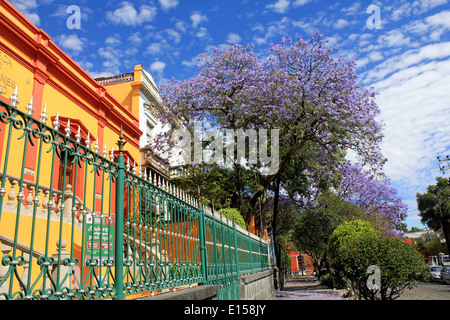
85	225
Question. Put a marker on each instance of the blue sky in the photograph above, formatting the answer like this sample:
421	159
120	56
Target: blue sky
406	57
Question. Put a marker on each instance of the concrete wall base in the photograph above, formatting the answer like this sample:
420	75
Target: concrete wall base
257	286
196	293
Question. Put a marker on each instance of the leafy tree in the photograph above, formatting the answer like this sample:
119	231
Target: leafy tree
430	244
355	246
315	225
434	203
434	207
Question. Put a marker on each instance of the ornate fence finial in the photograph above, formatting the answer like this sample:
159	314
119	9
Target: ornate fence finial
78	135
105	152
44	114
96	146
29	107
121	143
67	130
88	140
111	155
56	122
13	98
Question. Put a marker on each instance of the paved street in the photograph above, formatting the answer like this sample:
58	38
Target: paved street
308	288
427	291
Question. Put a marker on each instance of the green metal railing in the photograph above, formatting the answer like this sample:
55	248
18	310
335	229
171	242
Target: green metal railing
80	225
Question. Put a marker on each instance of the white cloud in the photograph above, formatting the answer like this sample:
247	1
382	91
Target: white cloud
341	23
202	32
375	56
157	66
400	11
274	29
112	60
297	3
70	42
26	7
353	9
154	48
413	100
408	59
174	35
135	38
426	5
234	37
190	63
439	19
281	6
181	26
431	28
113	41
405	8
157	70
168	4
413	103
129	16
394	38
102	74
197	18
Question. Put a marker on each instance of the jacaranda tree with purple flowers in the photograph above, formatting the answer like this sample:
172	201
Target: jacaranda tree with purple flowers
302	89
311	96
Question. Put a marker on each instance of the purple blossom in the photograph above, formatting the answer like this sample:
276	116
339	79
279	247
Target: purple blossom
312	97
373	193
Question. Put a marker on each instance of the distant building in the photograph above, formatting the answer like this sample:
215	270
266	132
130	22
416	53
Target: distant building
138	92
300	263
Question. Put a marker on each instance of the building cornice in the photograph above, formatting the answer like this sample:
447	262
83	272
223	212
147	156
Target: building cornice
52	65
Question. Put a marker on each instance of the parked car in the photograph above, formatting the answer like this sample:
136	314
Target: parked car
435	273
445	274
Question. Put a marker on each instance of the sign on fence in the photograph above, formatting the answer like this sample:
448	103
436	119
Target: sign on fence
99	238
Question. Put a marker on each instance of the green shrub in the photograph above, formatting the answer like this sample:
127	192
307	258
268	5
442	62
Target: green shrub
234	215
354	246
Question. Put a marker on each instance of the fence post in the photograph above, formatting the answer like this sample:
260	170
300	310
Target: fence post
202	243
250	249
236	251
120	183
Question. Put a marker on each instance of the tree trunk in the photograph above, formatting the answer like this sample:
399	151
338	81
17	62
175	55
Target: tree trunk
332	275
277	246
237	167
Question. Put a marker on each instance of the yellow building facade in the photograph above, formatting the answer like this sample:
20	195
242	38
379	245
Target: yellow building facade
47	194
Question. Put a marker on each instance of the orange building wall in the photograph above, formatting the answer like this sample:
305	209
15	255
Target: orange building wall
294	262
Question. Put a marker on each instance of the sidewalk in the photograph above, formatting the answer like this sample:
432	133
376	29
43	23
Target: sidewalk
307	288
